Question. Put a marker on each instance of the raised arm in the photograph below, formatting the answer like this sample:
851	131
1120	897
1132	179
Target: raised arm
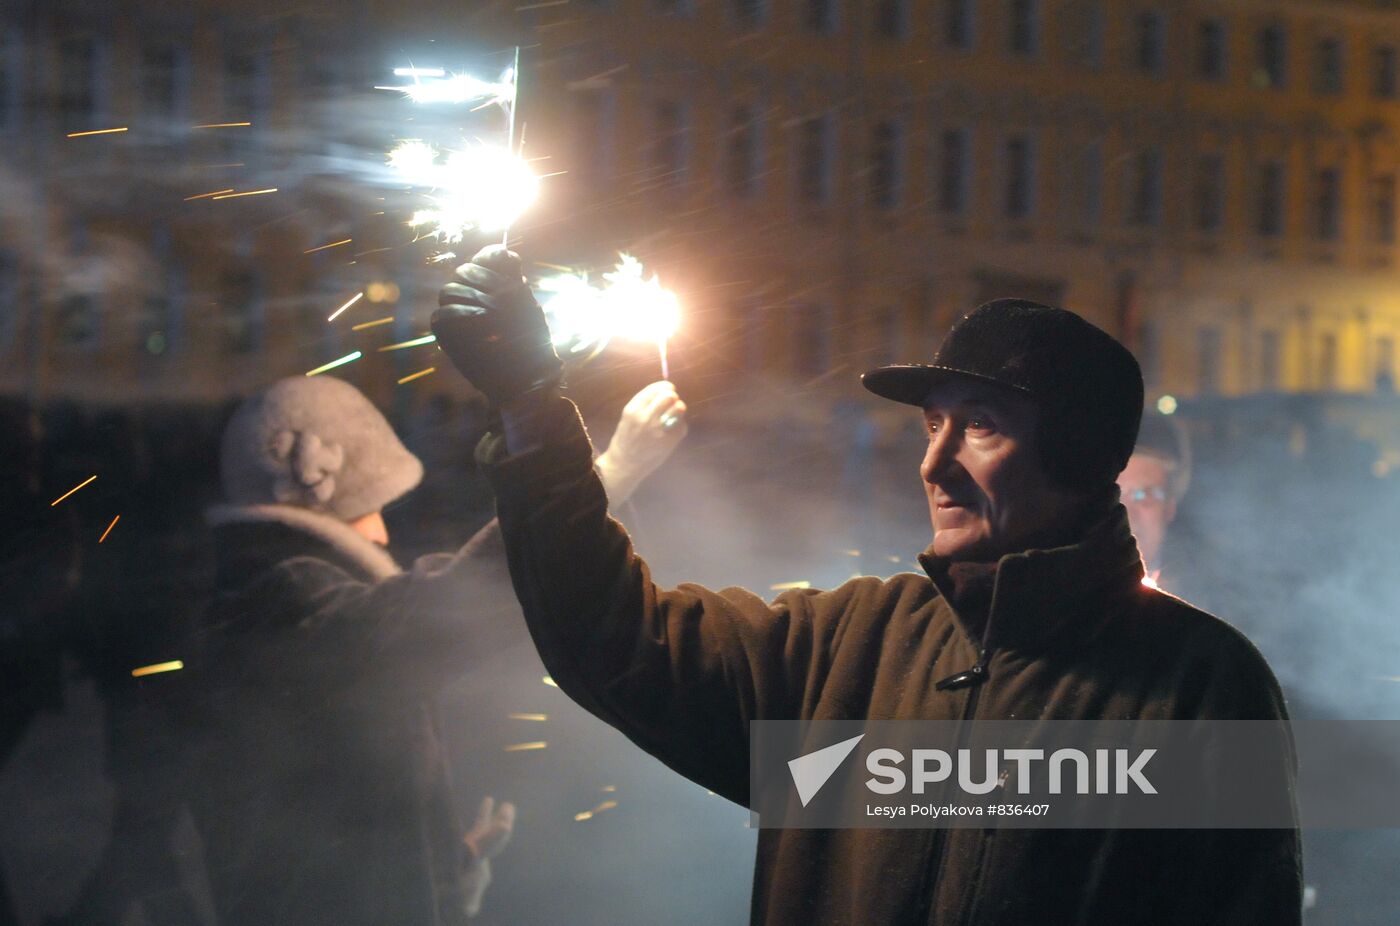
681	672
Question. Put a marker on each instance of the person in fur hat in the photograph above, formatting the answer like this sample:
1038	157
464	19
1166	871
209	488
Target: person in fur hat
324	793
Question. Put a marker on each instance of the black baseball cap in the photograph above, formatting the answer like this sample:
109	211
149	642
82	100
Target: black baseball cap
1088	385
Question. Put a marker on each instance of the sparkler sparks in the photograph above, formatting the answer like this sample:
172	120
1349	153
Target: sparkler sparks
96	132
333	244
71	491
540	718
590	814
109	528
351	301
223	125
208	195
378	321
785	586
416	342
550	682
412	376
527	747
173	666
584	318
246	193
348	358
477	188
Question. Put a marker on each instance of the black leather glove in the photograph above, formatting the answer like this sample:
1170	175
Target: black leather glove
490	326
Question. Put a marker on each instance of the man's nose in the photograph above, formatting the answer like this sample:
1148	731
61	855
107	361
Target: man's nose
941	455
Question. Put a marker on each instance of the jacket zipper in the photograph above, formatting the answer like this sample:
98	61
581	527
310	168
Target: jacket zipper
973	678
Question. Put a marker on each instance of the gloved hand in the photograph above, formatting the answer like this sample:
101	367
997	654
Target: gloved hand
490	326
492	829
651	426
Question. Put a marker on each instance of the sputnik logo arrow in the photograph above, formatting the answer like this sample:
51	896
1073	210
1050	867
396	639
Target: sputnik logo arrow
813	770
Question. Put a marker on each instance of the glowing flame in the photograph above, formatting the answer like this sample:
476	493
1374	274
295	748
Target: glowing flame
455	88
1150	579
629	306
478	188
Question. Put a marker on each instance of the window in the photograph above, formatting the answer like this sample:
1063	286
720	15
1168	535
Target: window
1024	24
1150	51
1208	350
1145	189
814	160
1384	81
9	297
239	306
811	339
160	81
1269	367
1084	35
954	163
741	153
1327	78
819	16
1208	193
885	165
1210	50
1327	204
1271	47
1149	353
1088	184
1020	177
891	19
1383	209
77	83
958	25
1385	363
76	320
592	112
1327	361
9	83
1270	203
748	14
245	87
669	146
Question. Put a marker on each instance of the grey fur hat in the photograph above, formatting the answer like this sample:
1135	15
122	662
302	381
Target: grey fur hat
315	442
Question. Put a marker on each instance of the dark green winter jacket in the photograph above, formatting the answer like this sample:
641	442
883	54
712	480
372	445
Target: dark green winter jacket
1075	635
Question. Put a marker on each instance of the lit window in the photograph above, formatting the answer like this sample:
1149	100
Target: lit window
1270	203
1271	68
891	19
1383	209
958	23
814	159
1327	205
953	171
1145	200
1209	193
1384	78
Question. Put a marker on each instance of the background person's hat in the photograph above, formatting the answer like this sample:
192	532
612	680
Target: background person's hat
1086	384
317	443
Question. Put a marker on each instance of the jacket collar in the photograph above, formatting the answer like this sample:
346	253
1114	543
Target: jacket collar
360	552
1043	599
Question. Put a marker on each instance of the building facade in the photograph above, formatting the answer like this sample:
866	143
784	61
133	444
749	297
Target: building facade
826	184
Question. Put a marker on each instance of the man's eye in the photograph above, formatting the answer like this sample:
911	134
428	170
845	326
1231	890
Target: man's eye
979	424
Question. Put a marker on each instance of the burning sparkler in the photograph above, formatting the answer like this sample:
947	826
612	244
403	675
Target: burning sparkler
477	188
442	87
584	318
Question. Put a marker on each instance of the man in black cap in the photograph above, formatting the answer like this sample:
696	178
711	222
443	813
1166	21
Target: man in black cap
1032	607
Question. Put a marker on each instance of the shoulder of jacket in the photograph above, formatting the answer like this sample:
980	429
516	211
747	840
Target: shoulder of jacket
1199	634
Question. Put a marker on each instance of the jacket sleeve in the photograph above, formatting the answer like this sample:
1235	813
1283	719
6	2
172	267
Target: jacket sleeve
680	672
421	627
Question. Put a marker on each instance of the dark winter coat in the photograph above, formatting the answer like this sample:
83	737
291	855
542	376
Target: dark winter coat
1074	635
325	795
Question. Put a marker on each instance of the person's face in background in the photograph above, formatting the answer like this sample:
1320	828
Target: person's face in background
1146	491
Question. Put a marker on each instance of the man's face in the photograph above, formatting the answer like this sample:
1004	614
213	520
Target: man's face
987	493
1145	487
